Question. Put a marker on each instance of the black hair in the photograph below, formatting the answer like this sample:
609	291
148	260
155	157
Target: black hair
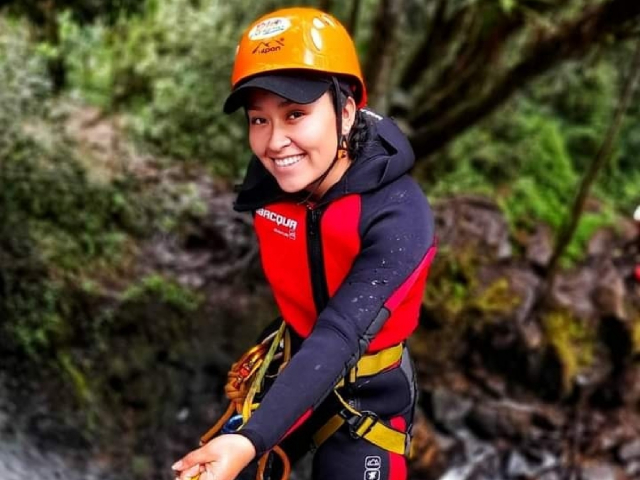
359	135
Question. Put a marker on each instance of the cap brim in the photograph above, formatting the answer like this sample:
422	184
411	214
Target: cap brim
297	89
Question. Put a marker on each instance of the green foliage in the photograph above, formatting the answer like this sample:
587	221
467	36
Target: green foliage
546	181
71	219
24	81
89	63
55	221
169	68
56	224
162	289
83	11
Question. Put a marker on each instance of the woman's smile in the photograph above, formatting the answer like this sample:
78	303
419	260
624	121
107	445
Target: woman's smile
289	161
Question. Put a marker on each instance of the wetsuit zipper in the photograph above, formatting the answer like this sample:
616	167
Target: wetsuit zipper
316	261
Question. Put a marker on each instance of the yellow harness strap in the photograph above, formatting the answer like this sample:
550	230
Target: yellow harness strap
375	363
366	424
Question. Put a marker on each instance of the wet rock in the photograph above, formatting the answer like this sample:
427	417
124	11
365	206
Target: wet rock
611	241
630	385
473	222
551	475
609	291
602	472
601	243
572	292
500	419
481	460
215	248
630	451
633	469
449	409
519	465
540	246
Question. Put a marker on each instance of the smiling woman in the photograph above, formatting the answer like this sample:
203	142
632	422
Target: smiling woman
346	240
297	143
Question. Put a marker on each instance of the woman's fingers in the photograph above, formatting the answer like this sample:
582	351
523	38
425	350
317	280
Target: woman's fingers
198	456
191	472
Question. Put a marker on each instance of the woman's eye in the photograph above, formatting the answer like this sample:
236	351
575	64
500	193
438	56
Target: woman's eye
257	120
296	114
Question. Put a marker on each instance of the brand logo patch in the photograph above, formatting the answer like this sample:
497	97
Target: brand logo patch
372	466
284	226
269	28
372	462
372	475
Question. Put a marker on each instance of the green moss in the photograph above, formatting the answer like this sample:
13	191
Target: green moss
454	288
496	299
574	342
79	381
635	334
450	282
166	290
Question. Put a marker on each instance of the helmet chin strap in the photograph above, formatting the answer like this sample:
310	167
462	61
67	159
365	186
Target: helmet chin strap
341	149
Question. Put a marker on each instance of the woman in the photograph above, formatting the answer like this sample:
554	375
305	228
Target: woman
346	239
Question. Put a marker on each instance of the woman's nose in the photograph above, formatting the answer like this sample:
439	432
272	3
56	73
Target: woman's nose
279	139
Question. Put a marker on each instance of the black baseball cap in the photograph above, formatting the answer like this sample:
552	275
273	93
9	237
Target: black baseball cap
297	87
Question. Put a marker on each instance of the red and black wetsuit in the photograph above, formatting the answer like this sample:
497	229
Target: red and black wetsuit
348	276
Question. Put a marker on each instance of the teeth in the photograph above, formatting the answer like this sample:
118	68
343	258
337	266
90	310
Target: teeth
287	161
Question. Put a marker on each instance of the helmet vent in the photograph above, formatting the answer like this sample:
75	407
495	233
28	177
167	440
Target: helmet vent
328	20
316	38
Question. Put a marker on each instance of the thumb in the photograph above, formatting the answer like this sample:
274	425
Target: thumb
194	458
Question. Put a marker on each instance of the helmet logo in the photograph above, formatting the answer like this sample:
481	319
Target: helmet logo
269	28
268	47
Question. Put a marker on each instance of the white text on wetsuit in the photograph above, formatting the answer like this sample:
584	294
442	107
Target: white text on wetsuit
280	220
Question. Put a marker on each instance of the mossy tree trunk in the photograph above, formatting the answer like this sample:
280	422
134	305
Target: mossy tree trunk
382	54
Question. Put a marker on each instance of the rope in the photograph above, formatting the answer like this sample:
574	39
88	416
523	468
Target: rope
243	381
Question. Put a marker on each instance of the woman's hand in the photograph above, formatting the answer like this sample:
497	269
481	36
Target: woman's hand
222	458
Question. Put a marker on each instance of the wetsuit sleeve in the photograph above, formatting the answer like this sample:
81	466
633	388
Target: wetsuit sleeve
396	244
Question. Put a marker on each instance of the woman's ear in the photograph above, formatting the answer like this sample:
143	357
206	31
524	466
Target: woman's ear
348	115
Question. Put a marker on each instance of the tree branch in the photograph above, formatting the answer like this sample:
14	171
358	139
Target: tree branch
422	54
572	40
477	60
382	52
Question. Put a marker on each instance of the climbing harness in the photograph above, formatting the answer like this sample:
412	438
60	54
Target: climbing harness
246	379
366	424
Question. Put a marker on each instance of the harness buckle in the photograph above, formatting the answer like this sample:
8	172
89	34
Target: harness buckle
356	422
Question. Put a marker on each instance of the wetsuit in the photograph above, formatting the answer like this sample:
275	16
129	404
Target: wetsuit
348	276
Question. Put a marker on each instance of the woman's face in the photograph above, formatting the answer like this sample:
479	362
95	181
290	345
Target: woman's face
296	143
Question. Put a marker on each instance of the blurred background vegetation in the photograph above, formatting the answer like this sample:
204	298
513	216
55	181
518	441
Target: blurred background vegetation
509	99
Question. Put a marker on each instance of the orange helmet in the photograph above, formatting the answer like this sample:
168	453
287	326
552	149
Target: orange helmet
303	39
